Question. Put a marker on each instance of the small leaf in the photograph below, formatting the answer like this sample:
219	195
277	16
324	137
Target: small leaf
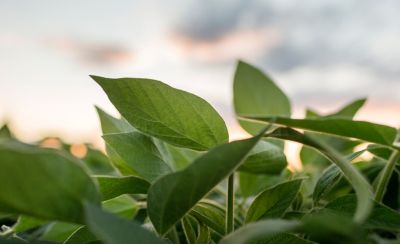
113	230
260	230
110	124
173	195
255	93
37	182
211	214
82	236
111	187
204	235
273	202
189	229
362	130
285	238
175	116
25	223
252	184
139	152
5	132
265	158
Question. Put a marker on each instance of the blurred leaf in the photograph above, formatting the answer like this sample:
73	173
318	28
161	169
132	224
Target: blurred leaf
97	162
189	230
255	93
252	184
113	230
37	182
5	132
59	231
285	238
380	151
25	223
273	202
82	236
111	187
175	116
260	230
264	158
211	214
381	216
204	235
168	197
140	153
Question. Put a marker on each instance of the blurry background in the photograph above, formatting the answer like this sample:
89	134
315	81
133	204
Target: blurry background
322	53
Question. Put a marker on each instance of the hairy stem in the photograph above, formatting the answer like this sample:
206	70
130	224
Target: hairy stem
229	204
385	175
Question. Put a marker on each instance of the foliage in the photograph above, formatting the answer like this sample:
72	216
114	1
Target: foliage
170	175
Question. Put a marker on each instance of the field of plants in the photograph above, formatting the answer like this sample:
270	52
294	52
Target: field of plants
170	174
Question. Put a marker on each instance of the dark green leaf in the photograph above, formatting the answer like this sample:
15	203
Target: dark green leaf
284	238
82	236
173	195
140	153
255	93
113	230
211	214
259	230
172	115
204	235
189	229
265	158
273	202
111	187
37	182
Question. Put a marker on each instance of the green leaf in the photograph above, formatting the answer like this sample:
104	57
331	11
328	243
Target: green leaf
255	93
189	229
380	151
59	231
140	153
285	238
111	187
345	146
265	158
273	202
82	236
5	132
173	195
362	130
37	182
113	230
259	230
356	179
204	235
211	214
97	162
175	116
381	216
252	184
25	223
110	124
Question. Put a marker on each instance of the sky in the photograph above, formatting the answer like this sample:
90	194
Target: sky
323	54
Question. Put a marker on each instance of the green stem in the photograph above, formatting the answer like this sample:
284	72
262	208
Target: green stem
385	175
229	204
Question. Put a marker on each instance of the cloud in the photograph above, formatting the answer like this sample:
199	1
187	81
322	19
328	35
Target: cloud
101	54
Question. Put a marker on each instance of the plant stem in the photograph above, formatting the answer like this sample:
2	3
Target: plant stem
229	204
385	175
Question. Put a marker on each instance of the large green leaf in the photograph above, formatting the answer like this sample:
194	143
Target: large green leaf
362	130
173	195
356	179
172	115
260	230
43	183
273	202
111	187
265	158
255	93
140	153
113	230
381	216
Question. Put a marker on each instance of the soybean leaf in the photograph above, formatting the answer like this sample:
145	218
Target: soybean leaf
345	146
111	187
37	182
255	93
264	158
5	132
97	162
59	231
211	214
175	116
381	216
204	235
380	151
252	184
110	124
140	153
260	230
25	223
113	230
189	229
357	180
362	130
82	236
273	202
330	177
173	195
285	238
